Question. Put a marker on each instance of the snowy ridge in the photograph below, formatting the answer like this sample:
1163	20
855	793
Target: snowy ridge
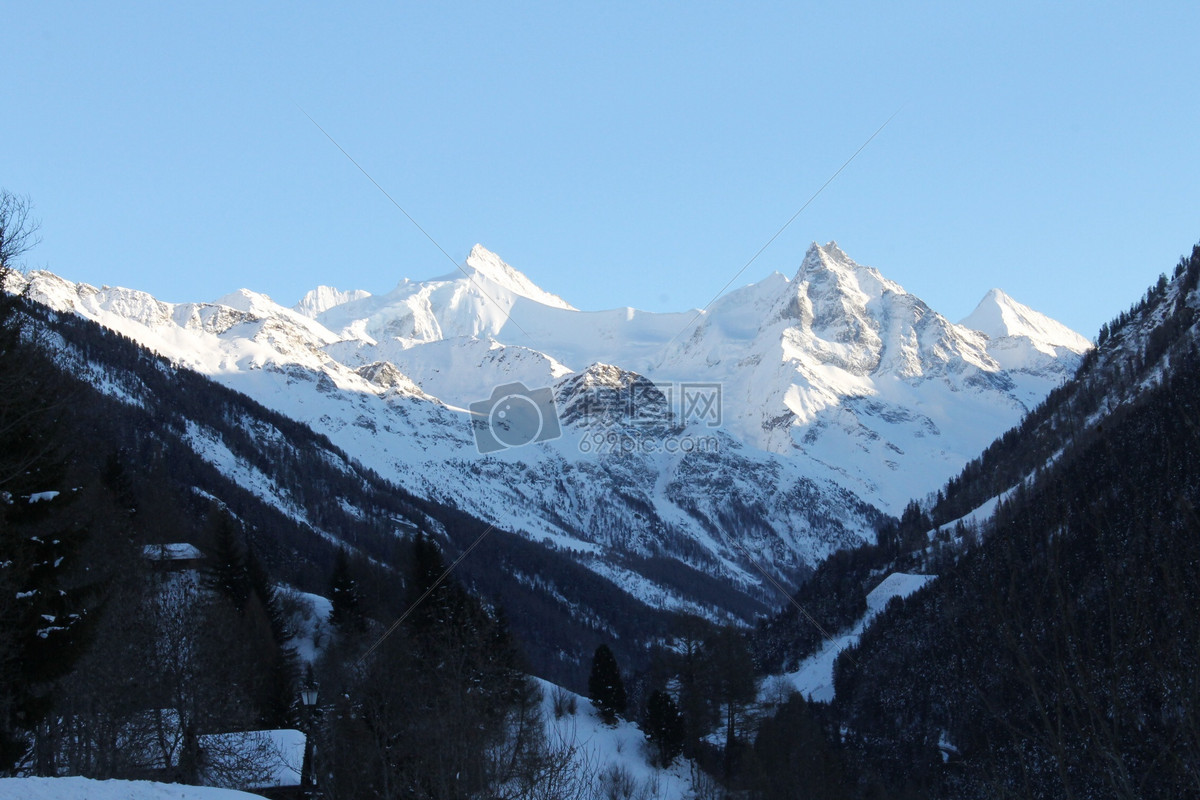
324	298
486	265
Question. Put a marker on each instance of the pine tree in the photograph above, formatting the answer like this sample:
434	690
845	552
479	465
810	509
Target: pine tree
280	664
733	682
605	687
43	619
664	727
227	574
346	615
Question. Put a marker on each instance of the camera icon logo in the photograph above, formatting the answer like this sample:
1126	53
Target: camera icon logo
514	416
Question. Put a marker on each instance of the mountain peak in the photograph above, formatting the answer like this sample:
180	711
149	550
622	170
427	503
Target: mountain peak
248	301
831	251
999	316
826	257
323	298
485	264
829	272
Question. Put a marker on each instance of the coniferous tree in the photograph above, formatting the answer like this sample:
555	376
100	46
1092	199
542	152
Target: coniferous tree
794	756
279	663
42	617
733	684
605	687
424	713
227	574
664	727
346	615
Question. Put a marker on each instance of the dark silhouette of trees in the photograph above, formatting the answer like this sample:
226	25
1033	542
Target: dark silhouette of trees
797	755
1055	657
605	687
346	615
43	614
18	231
664	728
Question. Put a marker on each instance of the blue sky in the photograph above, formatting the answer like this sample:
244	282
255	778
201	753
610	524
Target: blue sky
617	153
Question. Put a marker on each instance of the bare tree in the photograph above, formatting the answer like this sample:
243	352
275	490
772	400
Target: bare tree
18	230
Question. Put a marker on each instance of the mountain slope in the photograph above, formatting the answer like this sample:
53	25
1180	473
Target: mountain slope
1057	657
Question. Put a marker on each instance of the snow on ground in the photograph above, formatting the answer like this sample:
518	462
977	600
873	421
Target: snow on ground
308	620
254	759
604	750
814	678
88	789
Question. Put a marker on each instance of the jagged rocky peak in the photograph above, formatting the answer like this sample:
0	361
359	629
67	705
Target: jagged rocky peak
610	396
323	298
829	267
830	294
388	376
383	373
485	264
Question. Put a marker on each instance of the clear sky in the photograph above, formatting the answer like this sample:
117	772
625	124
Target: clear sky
617	153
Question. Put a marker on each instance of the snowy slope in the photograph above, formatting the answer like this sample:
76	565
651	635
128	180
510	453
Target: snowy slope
840	394
603	752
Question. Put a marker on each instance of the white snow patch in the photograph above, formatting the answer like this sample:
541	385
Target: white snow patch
308	621
88	789
602	748
814	678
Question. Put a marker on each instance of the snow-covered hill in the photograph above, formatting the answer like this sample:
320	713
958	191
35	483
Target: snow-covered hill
772	427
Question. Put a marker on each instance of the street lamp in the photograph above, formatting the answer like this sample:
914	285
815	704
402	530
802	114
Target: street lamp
308	696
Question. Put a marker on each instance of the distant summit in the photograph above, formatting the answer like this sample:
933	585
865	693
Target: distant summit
323	298
999	316
484	263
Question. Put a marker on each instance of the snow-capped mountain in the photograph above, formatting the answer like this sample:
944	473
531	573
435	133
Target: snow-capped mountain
772	427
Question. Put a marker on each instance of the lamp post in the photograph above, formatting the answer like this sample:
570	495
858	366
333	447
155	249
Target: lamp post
308	696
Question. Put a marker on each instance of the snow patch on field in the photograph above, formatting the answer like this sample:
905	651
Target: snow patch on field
88	789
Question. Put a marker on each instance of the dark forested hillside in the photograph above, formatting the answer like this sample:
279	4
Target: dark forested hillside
300	499
1132	349
1058	658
